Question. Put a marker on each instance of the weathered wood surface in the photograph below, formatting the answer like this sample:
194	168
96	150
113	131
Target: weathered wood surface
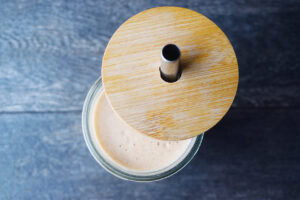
248	155
50	54
51	51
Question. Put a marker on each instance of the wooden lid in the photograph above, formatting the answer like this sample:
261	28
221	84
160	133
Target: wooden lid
170	111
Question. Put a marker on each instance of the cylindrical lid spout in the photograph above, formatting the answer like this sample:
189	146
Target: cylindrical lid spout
170	59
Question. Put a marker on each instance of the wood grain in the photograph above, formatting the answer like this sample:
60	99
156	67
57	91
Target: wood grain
248	155
253	153
170	111
51	51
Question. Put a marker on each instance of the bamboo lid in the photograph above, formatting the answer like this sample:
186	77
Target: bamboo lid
178	110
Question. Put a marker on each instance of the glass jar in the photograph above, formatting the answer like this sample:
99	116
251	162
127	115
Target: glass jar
102	158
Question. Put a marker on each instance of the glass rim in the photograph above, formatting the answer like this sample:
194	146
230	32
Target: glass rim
124	174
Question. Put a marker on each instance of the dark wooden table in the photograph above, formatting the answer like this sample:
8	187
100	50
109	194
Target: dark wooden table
50	54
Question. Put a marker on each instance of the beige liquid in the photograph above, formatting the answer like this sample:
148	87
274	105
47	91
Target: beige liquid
129	148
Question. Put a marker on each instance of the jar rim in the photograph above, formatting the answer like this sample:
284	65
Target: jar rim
120	173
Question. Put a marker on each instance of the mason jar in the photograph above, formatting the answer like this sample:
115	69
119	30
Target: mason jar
112	167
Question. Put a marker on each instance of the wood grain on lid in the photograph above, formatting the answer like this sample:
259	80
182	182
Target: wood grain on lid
170	111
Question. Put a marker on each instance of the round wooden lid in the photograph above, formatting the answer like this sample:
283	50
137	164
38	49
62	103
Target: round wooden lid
178	110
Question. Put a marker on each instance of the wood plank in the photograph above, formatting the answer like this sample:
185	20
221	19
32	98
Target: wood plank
50	52
248	155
